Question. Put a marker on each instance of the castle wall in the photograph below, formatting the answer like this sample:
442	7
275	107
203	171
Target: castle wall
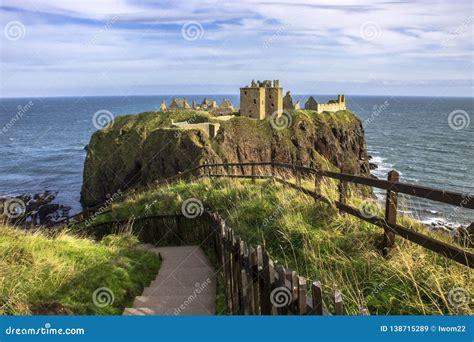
330	107
252	102
273	100
209	128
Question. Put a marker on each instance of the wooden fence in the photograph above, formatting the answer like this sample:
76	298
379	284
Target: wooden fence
392	186
252	284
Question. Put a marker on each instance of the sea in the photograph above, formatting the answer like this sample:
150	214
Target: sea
428	140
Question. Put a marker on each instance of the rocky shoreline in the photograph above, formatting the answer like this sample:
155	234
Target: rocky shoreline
32	209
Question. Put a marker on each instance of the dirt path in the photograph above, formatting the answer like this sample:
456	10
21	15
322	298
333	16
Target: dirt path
185	285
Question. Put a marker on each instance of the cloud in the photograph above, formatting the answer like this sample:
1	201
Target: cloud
138	45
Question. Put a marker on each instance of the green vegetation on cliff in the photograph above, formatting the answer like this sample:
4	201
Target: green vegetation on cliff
46	275
140	149
320	243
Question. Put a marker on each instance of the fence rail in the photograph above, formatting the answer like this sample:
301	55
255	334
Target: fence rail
392	186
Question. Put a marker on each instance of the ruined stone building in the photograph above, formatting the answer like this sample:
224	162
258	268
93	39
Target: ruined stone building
288	102
209	128
163	106
261	99
209	105
179	103
330	106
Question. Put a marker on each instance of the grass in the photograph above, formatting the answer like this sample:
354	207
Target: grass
322	244
58	275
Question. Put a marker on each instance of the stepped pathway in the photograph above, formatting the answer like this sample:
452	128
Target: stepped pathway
185	285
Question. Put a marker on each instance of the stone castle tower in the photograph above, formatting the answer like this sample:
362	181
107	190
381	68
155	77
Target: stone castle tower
261	99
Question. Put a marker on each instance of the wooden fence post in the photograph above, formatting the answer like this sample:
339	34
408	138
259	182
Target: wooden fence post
391	203
229	271
253	173
237	276
342	188
281	283
317	184
298	176
254	279
317	298
301	309
266	277
338	306
244	278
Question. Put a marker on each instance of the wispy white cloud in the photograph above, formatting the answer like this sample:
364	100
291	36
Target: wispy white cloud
97	47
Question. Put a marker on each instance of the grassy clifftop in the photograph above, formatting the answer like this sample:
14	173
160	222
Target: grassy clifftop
70	275
139	149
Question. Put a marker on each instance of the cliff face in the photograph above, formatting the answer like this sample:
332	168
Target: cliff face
140	149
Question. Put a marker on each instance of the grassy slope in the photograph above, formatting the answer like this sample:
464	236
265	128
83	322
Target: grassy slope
41	275
321	244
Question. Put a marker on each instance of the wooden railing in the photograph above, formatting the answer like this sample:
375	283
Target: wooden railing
252	284
392	186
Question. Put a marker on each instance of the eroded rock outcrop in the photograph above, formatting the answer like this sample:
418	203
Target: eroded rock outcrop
141	149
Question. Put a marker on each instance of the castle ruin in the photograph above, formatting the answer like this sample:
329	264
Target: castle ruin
330	106
208	105
261	99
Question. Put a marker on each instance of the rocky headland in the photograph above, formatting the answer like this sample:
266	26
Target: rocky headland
136	150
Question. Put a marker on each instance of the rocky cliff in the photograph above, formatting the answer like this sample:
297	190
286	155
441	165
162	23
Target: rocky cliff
139	149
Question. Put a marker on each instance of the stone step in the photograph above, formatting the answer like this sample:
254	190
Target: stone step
185	275
190	263
183	290
190	311
175	301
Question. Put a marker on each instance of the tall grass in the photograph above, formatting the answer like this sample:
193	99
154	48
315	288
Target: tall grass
40	274
320	243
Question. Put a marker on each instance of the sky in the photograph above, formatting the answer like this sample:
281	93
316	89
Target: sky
124	47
